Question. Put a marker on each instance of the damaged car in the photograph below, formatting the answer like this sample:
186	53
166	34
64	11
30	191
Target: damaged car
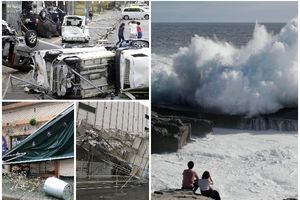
90	72
75	29
17	50
43	23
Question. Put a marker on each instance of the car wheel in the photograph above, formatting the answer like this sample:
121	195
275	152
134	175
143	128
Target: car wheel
73	60
146	17
43	15
126	17
31	38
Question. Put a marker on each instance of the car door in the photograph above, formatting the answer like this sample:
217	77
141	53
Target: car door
140	13
135	13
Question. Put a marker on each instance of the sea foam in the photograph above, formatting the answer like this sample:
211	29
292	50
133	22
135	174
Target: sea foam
257	78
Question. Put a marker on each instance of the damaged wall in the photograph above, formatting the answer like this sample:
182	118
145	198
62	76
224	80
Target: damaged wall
127	116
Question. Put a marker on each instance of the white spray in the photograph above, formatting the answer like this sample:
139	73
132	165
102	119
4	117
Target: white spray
258	78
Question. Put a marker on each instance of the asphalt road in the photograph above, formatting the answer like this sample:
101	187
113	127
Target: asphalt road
98	28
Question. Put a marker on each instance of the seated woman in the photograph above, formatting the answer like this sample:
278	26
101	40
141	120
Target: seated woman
205	186
190	178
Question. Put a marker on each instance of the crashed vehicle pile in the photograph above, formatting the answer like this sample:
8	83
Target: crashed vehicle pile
84	72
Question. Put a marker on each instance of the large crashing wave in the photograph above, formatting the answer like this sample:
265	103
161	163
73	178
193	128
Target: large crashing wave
258	78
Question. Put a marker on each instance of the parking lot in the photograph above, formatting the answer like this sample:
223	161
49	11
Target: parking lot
103	30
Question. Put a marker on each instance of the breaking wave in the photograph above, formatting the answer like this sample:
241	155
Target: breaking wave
258	78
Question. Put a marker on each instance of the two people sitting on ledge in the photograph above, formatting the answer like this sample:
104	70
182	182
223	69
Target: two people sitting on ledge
193	182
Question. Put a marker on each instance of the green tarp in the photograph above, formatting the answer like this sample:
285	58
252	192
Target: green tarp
54	140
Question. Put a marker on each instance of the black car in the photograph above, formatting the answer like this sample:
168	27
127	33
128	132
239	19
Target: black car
47	23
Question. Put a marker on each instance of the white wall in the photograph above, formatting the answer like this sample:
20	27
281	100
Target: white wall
33	111
66	167
126	116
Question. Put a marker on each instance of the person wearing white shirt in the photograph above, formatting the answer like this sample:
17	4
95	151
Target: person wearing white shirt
133	29
205	185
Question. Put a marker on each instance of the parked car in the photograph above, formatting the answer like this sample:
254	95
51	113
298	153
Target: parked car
135	13
75	29
141	5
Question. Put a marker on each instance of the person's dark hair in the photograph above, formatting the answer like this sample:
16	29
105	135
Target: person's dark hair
190	165
138	23
205	175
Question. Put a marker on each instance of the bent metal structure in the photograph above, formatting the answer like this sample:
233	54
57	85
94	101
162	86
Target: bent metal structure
112	150
54	141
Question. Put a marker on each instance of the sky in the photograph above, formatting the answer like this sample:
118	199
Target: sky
222	11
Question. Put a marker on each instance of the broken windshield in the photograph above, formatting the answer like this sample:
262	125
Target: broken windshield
74	21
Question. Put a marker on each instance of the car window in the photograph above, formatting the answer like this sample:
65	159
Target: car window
132	10
74	22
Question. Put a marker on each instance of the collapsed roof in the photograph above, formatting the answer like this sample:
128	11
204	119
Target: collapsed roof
53	141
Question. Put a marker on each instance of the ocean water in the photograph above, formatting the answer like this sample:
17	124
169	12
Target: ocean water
248	165
167	38
240	69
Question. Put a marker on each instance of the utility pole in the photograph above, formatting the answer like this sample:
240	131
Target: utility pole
86	9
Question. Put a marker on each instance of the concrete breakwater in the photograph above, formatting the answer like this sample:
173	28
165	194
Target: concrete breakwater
170	133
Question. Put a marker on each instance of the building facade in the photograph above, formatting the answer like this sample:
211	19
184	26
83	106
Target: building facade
20	120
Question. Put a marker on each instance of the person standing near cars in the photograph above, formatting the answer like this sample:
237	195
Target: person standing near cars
133	29
139	30
121	33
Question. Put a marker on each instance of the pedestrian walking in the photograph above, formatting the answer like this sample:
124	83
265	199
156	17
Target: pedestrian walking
91	14
139	30
121	33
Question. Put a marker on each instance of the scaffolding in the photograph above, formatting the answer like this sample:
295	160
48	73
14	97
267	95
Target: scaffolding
110	158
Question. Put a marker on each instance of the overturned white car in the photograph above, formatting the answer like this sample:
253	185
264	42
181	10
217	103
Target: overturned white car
75	29
94	72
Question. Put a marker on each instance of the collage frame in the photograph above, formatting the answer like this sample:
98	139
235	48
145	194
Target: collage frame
221	110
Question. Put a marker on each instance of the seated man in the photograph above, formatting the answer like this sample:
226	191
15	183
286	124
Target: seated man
190	178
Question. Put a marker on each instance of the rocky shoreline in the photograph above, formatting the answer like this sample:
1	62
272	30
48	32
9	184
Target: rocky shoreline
170	133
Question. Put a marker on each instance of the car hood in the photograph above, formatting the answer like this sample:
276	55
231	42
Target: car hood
73	31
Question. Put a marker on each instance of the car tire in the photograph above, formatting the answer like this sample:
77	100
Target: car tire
43	15
31	38
52	55
146	17
72	60
126	17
